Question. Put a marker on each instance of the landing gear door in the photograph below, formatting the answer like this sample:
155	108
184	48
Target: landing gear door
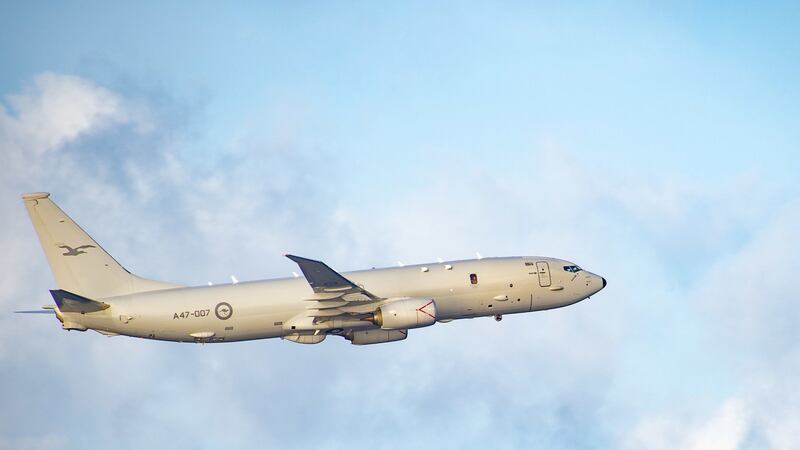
544	273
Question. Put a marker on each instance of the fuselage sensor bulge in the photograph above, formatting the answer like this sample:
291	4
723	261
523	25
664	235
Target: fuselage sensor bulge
365	307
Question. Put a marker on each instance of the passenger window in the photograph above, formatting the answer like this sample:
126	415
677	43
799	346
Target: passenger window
473	278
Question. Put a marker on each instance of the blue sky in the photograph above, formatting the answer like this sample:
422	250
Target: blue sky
656	144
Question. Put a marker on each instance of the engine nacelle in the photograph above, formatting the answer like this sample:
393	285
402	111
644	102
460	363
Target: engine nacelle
405	313
367	337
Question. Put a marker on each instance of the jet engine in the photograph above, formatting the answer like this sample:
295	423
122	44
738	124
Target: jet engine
405	313
375	336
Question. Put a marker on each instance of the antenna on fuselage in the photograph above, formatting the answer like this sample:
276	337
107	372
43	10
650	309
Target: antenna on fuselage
294	274
440	260
234	280
400	263
478	254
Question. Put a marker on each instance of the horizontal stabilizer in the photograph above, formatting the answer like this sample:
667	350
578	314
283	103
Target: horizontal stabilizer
46	309
69	302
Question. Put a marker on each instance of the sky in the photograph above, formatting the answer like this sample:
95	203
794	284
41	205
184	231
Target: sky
655	144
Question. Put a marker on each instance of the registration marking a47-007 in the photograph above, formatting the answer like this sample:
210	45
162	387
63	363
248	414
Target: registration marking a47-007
188	314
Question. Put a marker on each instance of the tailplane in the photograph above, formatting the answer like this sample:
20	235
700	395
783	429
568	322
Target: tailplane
79	264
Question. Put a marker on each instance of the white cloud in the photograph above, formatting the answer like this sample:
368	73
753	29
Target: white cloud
57	108
724	430
751	294
749	305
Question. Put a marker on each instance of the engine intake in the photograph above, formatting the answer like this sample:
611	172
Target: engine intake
405	313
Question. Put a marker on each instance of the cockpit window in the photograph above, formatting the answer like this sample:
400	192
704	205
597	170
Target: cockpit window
572	269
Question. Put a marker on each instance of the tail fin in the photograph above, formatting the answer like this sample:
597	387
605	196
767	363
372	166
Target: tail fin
78	263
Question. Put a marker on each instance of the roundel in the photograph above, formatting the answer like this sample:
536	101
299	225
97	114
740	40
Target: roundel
223	310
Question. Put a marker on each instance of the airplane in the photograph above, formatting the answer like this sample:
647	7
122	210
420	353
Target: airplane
365	307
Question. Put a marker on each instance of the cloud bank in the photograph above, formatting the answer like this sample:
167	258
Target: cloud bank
630	368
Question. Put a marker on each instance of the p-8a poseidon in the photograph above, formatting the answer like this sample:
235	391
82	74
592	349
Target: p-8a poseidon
365	307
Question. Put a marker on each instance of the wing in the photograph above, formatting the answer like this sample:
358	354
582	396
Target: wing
324	280
334	295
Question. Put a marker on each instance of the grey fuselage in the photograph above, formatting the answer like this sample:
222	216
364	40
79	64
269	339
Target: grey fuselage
266	309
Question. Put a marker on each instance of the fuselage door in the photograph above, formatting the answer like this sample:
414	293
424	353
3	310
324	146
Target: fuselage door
544	273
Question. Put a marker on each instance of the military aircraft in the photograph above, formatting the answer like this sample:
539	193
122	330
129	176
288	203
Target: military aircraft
365	307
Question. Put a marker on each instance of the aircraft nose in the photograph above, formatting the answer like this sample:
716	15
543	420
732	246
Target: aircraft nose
595	283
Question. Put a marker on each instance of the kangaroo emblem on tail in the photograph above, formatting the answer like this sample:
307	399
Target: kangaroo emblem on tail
74	251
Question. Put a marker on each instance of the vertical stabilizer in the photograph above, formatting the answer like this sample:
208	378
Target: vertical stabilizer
78	263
